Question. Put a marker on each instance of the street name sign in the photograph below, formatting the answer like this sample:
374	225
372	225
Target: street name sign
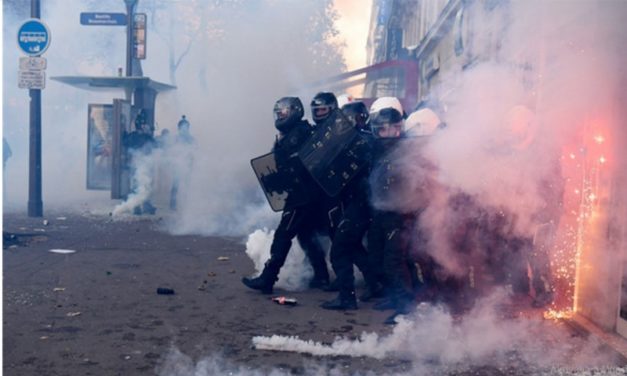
103	19
32	79
33	37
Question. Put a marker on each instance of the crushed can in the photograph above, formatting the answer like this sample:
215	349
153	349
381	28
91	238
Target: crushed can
282	300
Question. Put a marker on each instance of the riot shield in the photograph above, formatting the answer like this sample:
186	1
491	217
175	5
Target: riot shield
335	153
283	188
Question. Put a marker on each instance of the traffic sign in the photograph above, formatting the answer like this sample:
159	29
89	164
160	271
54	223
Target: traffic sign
33	37
32	79
32	63
103	19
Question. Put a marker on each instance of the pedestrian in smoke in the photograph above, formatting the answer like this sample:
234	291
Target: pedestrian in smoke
296	219
164	140
184	158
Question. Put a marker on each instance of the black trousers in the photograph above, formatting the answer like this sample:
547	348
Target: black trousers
347	248
309	241
303	222
388	248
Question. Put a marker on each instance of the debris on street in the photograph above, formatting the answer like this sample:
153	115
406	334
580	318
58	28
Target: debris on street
62	251
282	300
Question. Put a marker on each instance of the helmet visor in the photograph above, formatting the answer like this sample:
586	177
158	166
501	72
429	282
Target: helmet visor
320	112
387	123
281	113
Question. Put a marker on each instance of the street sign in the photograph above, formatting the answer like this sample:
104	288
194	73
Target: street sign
103	19
32	63
33	37
32	79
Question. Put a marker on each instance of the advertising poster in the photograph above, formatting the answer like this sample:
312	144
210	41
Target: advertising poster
99	146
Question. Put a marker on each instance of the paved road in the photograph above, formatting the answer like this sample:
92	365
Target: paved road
96	311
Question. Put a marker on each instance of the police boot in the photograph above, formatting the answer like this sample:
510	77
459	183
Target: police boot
403	307
258	283
384	305
342	302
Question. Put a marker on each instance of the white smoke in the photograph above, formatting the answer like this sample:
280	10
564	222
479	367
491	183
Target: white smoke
64	109
227	85
435	341
143	166
561	60
178	364
220	87
295	273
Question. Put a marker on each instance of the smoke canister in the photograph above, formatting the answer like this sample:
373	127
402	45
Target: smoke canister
282	300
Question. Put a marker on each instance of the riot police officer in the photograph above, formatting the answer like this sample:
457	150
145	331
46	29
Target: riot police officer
294	131
347	248
139	145
388	236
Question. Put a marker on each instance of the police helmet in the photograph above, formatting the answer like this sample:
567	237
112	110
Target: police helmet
423	122
357	113
386	118
322	105
287	111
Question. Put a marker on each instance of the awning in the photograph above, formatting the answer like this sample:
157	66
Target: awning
114	82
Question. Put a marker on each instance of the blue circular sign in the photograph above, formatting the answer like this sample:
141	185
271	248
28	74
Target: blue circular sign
33	37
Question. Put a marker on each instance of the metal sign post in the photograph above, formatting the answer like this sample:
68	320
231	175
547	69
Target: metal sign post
33	39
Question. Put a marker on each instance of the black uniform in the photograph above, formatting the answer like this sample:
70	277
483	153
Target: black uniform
388	236
296	220
347	248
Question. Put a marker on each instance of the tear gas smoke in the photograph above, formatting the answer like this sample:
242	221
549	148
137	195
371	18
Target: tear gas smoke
230	62
295	273
228	83
143	171
64	112
178	364
560	60
436	341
